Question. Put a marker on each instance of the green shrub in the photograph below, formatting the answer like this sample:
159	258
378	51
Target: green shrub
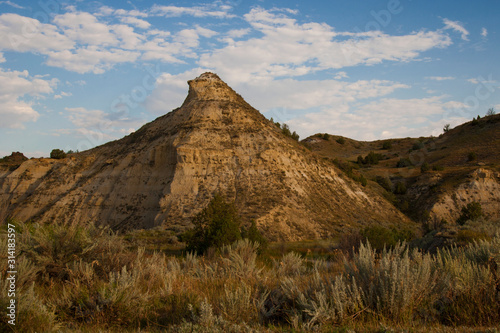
403	163
467	236
253	234
340	140
437	167
384	182
400	188
57	154
471	156
387	145
370	159
425	167
363	180
379	237
472	211
216	225
418	145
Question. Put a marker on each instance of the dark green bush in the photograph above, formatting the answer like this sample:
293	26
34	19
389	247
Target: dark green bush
387	145
216	225
425	167
418	145
400	188
471	156
253	234
472	211
363	180
403	163
384	182
370	159
340	140
57	154
437	167
379	237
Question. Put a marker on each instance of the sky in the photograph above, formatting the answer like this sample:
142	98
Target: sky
77	74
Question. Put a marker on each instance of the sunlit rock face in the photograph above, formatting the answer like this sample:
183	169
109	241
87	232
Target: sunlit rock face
168	170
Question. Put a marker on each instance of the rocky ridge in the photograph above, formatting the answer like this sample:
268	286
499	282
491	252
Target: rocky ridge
168	170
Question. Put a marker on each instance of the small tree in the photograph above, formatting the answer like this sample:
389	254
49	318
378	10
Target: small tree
446	128
285	129
216	225
253	234
472	212
57	154
490	112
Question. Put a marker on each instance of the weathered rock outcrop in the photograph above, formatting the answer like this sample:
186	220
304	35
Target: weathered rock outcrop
482	186
168	170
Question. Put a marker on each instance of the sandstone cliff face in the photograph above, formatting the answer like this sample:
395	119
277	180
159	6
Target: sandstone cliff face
481	186
168	170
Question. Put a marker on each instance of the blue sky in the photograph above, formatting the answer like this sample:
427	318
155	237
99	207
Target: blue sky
77	74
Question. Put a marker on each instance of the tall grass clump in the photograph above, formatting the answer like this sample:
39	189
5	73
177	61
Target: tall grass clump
470	284
394	283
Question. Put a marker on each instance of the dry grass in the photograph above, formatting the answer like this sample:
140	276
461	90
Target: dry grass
85	279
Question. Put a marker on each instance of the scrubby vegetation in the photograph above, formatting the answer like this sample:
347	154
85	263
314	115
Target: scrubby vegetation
285	129
75	278
370	159
57	154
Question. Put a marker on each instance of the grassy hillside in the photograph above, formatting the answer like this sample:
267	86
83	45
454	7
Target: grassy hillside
452	157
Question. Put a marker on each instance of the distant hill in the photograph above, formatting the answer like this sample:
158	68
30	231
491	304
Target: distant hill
440	174
168	170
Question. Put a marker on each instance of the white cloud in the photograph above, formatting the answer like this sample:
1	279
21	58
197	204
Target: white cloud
2	58
285	48
340	75
484	32
84	28
24	34
197	11
108	11
385	118
12	4
473	81
84	42
457	26
16	88
101	126
238	33
142	24
440	78
90	59
62	94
